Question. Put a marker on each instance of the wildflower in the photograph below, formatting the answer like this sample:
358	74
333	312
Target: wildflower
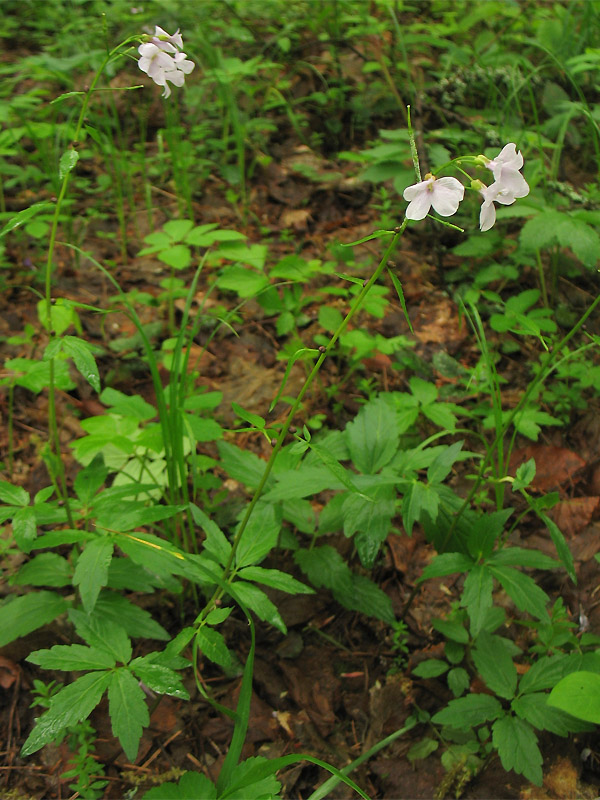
505	168
156	59
494	193
444	194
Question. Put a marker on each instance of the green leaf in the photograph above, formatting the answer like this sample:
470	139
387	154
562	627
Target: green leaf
521	557
326	567
579	694
159	678
562	548
23	216
451	630
212	644
523	591
432	668
446	564
91	571
458	681
136	621
477	596
441	414
67	161
81	353
257	601
537	708
242	465
216	542
177	256
418	499
247	416
24	614
275	579
45	569
128	711
260	535
305	480
72	657
484	532
495	665
13	495
543	674
89	480
191	786
202	429
581	238
127	405
24	528
243	281
368	598
344	476
69	706
102	634
524	475
467	712
440	468
516	743
372	517
540	231
244	783
373	436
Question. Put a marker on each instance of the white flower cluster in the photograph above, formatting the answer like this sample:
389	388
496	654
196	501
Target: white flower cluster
163	60
445	194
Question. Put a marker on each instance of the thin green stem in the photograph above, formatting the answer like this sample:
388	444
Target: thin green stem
356	305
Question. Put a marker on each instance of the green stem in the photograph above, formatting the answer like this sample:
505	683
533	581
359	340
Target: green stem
356	305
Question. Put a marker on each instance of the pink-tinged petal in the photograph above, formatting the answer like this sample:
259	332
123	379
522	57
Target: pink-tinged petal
487	216
176	77
177	40
148	50
185	65
511	181
411	192
419	207
167	91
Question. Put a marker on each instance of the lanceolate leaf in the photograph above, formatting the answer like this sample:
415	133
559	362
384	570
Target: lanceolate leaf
72	657
27	613
494	664
72	704
523	590
159	678
477	596
91	572
275	579
212	644
128	710
467	712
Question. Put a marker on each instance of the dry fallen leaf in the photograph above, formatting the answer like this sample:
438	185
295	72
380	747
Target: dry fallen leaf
554	466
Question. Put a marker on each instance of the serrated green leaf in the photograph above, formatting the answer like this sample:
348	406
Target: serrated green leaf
540	231
136	621
372	436
260	535
159	678
372	518
72	657
67	161
495	665
45	569
24	614
242	465
458	681
191	786
432	668
24	527
581	238
275	579
368	598
127	710
446	564
72	704
216	542
523	591
13	495
521	557
89	480
247	416
212	644
543	674
562	548
537	708
467	712
91	571
441	415
516	743
257	601
524	475
441	466
102	634
477	596
451	630
325	567
578	694
83	358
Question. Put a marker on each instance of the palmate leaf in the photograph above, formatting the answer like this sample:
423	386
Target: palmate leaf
102	634
516	743
72	704
128	710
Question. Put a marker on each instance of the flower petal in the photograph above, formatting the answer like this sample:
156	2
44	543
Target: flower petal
487	216
447	194
416	189
419	207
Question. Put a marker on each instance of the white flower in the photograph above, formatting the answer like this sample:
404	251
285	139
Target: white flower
494	193
444	194
156	60
505	168
166	42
